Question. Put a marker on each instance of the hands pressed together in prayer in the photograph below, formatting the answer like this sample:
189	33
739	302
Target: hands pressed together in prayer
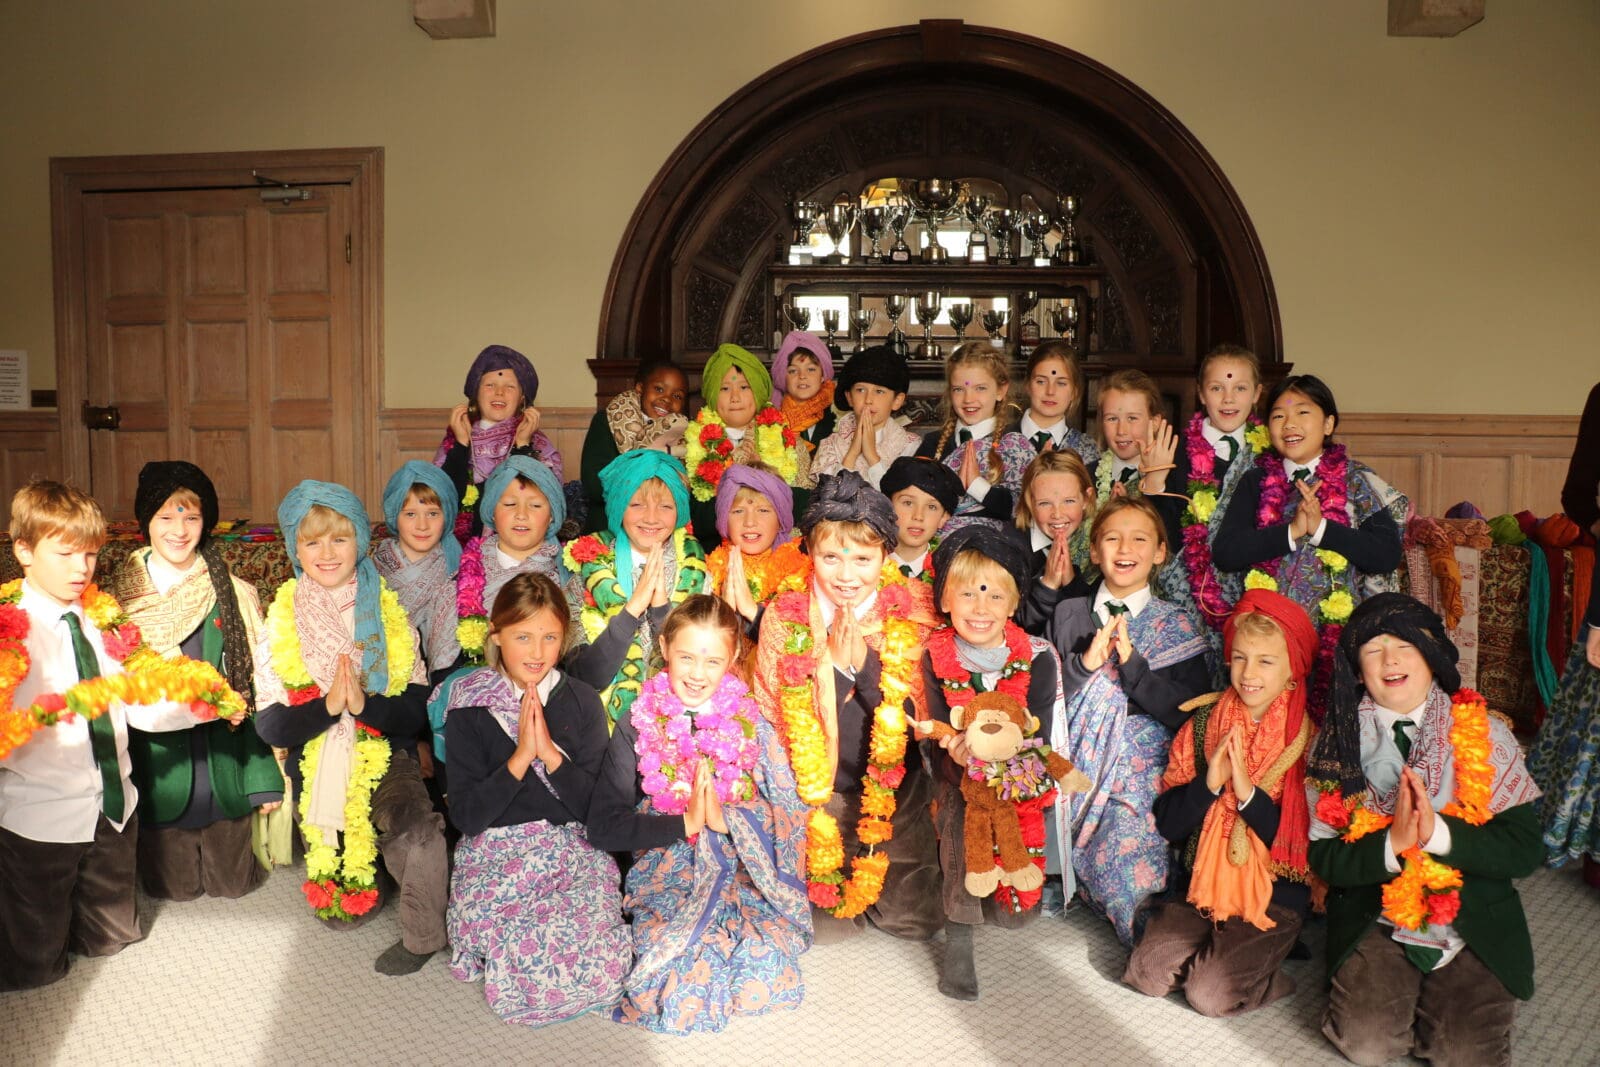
533	738
1414	817
705	808
1227	766
346	693
1113	634
651	590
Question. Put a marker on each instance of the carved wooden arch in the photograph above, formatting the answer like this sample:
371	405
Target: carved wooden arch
1185	269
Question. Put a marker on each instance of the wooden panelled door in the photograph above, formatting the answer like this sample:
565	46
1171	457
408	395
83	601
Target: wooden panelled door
221	330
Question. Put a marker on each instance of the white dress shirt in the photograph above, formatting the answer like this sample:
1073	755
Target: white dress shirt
917	566
50	788
1215	437
1289	468
1120	465
1057	430
1136	602
1038	538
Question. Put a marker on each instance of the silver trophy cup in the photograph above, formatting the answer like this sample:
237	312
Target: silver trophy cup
841	219
894	306
927	309
874	224
994	322
960	319
861	320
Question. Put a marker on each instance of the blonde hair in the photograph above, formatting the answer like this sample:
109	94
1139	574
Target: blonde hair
1235	352
44	508
971	567
847	531
1123	503
987	358
1131	381
1066	354
714	613
649	489
1256	624
183	497
1064	462
425	495
520	599
322	521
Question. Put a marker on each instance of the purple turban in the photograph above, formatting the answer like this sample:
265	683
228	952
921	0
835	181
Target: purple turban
766	483
499	357
795	341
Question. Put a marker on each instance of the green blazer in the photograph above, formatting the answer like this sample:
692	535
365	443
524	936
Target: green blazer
1491	920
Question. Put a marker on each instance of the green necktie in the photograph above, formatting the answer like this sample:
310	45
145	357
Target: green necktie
1233	447
1042	438
963	436
1129	475
1301	475
1401	740
905	569
102	735
1115	608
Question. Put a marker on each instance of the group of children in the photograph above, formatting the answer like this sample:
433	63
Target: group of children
644	770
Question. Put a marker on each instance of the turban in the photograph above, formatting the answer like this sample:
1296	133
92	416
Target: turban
620	479
846	497
764	482
160	479
927	474
1005	547
368	623
416	472
535	471
730	357
799	341
499	357
879	365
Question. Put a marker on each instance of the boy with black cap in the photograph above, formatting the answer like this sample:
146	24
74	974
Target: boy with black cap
873	385
924	493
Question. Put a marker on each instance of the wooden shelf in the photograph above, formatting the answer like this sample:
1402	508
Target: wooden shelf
865	277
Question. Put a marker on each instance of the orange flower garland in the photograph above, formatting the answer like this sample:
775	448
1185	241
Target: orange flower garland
784	568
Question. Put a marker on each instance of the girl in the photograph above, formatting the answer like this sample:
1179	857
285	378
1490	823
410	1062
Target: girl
1310	521
697	786
759	556
803	386
981	650
1056	507
868	439
737	425
420	561
534	908
975	442
498	418
1234	801
1141	446
632	574
650	415
340	682
1055	396
199	788
1129	661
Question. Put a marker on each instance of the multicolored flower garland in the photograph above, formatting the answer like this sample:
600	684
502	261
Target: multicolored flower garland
828	887
1426	891
956	680
1205	496
148	679
709	449
672	742
472	627
283	644
784	568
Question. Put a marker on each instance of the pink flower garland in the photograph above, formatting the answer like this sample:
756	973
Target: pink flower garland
672	742
1208	593
470	583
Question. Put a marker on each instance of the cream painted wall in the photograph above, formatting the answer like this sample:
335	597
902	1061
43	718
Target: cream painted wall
1427	206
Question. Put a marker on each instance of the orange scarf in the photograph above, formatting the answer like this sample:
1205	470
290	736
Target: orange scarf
801	415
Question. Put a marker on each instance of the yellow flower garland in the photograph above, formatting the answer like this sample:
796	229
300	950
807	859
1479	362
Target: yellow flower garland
770	447
283	639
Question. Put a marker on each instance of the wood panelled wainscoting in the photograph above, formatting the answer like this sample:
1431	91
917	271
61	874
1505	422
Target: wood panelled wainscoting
1499	462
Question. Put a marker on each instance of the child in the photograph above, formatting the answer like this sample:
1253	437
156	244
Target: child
341	683
869	438
1057	503
632	574
650	415
68	829
974	441
1234	801
837	675
1129	661
1140	444
1411	787
198	788
497	419
803	386
1319	527
534	908
422	558
759	556
737	425
924	493
980	651
697	786
1055	396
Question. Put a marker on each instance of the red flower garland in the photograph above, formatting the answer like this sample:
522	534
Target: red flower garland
956	681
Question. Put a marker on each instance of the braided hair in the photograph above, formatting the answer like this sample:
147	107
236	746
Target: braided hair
985	357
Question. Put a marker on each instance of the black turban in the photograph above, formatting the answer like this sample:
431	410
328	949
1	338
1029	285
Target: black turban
160	479
846	497
927	474
879	365
1005	547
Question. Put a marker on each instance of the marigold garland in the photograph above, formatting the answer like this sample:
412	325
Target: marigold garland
283	644
672	742
783	568
1205	491
709	449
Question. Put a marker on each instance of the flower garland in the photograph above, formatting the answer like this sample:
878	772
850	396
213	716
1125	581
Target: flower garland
1205	496
827	885
956	680
709	449
672	742
1426	891
1023	776
344	886
784	568
283	644
148	677
472	627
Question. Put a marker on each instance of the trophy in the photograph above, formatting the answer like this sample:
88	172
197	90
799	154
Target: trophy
933	200
1036	226
927	309
1069	253
830	324
803	218
840	220
994	320
1064	318
799	317
874	223
899	219
1027	326
960	319
1003	222
975	208
861	319
894	306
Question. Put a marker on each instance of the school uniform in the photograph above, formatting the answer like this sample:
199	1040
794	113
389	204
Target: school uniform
1059	438
983	500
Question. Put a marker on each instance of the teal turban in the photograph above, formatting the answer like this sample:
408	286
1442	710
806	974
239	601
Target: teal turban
416	472
621	478
729	357
500	479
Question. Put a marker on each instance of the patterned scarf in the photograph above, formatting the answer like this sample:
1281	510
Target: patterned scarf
325	619
428	594
631	428
801	415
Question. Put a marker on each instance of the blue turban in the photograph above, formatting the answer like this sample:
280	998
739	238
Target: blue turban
416	472
500	479
620	479
369	624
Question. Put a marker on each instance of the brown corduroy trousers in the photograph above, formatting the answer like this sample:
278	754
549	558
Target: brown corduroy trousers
1223	970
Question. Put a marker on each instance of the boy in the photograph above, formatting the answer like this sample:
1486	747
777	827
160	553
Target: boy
420	560
924	494
874	385
832	661
68	829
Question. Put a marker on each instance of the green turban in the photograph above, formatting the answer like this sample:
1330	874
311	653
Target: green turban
727	357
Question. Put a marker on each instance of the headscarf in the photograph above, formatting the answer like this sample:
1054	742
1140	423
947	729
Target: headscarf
368	623
927	474
499	357
766	483
1004	547
512	467
847	497
620	479
415	472
726	358
796	341
878	365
